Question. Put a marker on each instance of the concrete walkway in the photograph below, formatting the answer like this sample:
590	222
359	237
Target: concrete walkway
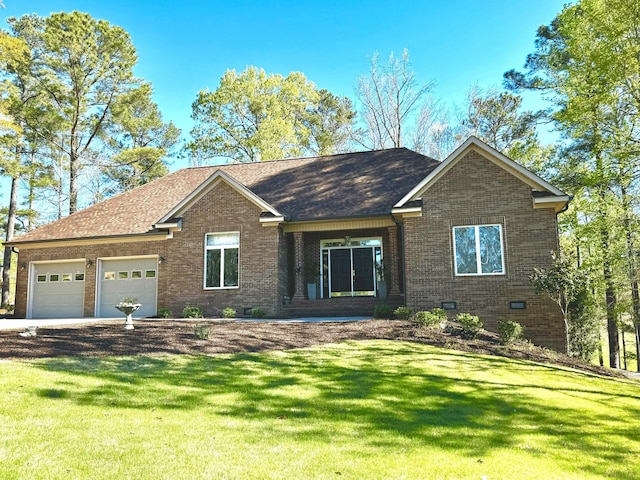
21	324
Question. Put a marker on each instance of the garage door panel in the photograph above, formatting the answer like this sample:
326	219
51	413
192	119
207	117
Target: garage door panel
122	278
57	290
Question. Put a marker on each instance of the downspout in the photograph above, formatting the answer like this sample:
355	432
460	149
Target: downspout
403	277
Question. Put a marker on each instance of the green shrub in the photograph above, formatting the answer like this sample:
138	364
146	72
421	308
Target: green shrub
383	311
258	313
165	313
427	319
201	331
470	324
403	313
192	312
510	331
229	313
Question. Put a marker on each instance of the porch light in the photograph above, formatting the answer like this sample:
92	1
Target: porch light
23	266
89	262
347	239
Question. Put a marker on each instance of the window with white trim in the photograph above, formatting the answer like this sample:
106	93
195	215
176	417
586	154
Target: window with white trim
478	250
221	260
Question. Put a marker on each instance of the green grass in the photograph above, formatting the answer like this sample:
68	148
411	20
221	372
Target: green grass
375	409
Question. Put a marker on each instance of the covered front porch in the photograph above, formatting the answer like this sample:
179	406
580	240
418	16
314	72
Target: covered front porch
343	271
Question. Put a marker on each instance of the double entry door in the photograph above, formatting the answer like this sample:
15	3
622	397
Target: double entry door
350	271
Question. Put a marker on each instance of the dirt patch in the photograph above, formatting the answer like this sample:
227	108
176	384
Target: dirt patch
158	337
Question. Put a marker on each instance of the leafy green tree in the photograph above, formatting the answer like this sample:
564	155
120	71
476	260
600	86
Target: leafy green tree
253	116
567	286
586	62
496	117
81	66
138	139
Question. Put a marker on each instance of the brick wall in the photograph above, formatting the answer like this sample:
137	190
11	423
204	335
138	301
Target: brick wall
224	209
89	253
181	274
476	191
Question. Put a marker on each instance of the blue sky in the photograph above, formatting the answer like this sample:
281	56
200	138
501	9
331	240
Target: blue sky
185	46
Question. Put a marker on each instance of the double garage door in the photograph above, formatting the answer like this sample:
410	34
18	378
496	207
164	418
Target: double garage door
58	288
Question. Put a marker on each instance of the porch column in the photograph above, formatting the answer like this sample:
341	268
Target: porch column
392	260
298	262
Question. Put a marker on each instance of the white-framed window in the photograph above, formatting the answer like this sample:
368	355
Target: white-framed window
478	250
42	278
79	277
221	252
136	274
67	277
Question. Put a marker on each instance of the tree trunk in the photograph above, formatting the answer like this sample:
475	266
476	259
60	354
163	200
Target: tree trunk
610	300
11	222
73	181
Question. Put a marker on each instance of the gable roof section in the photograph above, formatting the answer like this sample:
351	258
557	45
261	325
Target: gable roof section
544	194
211	182
347	185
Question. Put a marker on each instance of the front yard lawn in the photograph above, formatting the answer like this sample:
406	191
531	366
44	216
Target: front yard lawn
370	409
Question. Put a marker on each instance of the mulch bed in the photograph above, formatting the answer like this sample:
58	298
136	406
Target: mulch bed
162	337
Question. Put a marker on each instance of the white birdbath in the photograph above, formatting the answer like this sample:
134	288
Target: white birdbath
128	309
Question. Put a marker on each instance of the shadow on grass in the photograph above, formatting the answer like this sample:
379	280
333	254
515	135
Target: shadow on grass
387	392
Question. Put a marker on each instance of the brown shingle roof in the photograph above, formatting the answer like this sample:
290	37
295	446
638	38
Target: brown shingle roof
335	186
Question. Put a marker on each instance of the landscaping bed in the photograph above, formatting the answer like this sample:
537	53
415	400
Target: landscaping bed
161	337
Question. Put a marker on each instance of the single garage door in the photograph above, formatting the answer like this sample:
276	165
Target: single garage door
57	290
128	277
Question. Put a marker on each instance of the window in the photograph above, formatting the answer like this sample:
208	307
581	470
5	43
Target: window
221	260
478	250
54	277
67	277
42	278
136	274
109	275
149	274
79	277
124	275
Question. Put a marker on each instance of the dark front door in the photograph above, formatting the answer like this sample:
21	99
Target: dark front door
340	271
363	270
352	271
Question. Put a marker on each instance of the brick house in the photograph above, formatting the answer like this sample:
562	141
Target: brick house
463	234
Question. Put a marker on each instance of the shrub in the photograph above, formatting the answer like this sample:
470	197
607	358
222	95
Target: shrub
229	313
192	312
470	324
258	313
202	331
403	313
383	311
510	331
165	313
427	319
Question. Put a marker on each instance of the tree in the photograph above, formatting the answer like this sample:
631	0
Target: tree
586	63
138	140
253	116
81	66
496	118
394	106
567	286
12	52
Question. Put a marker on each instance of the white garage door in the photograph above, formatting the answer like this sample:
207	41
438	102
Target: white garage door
57	290
128	277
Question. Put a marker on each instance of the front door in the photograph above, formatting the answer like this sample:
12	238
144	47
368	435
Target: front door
349	271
